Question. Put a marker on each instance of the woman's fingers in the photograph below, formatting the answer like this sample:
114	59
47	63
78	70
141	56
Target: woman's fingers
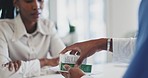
10	66
16	66
13	65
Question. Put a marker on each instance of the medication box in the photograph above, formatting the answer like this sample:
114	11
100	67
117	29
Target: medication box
66	59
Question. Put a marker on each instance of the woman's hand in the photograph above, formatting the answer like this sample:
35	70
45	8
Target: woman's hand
13	65
74	72
53	61
49	62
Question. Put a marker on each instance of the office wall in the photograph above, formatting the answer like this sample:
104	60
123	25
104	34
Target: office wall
53	10
121	17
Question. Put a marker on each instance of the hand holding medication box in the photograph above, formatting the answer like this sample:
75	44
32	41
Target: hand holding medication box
66	59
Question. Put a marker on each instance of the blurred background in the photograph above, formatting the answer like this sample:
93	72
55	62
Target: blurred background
81	20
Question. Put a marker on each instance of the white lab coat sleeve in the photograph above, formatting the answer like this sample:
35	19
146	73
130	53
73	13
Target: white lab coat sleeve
123	49
27	69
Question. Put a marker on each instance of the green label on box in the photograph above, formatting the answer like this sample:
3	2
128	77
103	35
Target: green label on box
85	68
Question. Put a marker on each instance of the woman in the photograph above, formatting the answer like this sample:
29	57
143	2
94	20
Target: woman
26	40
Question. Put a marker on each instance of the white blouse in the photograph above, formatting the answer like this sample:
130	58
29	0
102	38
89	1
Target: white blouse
17	44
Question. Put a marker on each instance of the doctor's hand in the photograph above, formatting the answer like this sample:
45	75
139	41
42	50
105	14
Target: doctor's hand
74	72
13	65
86	49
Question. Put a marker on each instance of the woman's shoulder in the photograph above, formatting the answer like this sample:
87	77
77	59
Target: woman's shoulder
5	23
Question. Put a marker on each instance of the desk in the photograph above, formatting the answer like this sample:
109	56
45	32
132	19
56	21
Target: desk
113	70
109	70
51	76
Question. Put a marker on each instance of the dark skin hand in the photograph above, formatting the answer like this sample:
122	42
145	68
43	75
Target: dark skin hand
74	72
53	61
13	65
49	62
87	48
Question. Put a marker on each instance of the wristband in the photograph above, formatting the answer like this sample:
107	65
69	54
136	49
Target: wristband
108	44
108	49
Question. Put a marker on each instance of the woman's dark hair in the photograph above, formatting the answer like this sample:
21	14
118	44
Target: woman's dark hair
7	8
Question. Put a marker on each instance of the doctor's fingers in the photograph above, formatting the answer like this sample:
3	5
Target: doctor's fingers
65	74
71	48
75	52
80	60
